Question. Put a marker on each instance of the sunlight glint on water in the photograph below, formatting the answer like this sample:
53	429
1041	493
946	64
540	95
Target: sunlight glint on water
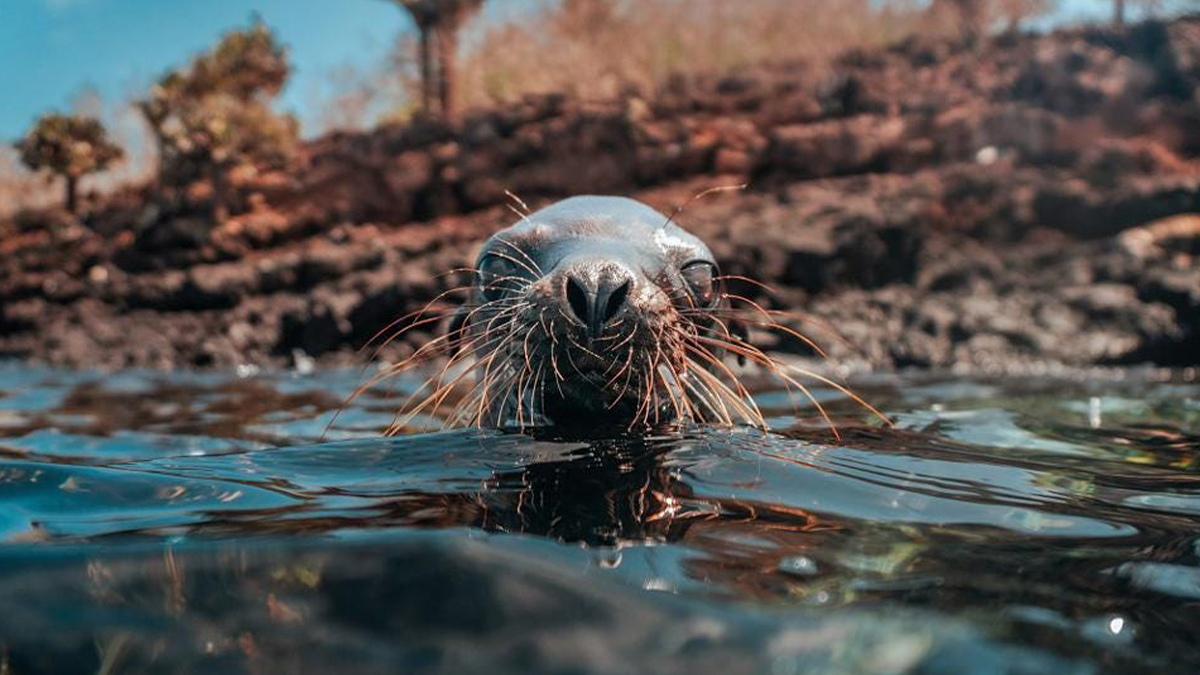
1036	526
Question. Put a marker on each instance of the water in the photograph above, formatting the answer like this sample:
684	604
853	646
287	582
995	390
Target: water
196	523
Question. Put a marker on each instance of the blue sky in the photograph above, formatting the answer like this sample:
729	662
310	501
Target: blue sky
50	50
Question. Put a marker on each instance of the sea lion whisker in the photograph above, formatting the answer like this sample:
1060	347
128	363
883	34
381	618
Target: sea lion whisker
520	395
827	328
485	383
542	321
512	195
474	397
541	389
450	363
476	343
473	347
609	338
645	402
842	388
515	261
654	374
737	346
774	366
441	315
490	381
615	348
739	277
649	381
456	413
517	211
384	374
413	325
723	394
689	370
742	392
558	376
738	395
700	195
437	396
504	315
485	391
503	312
693	317
585	350
709	399
628	370
679	397
508	391
571	360
523	381
774	325
691	407
521	283
414	313
533	408
533	266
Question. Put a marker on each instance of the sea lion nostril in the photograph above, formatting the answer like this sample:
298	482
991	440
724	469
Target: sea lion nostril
596	296
578	300
616	300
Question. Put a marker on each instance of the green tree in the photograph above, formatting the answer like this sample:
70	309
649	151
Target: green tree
438	25
215	115
71	146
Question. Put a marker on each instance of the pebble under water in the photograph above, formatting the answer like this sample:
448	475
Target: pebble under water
199	523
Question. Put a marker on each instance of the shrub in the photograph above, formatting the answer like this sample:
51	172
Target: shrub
215	116
70	146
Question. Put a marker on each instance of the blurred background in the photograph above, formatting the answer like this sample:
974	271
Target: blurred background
991	185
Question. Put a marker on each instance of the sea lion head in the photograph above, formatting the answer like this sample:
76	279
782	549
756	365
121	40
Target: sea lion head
595	310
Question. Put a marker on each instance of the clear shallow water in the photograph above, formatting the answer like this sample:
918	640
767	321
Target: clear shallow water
196	523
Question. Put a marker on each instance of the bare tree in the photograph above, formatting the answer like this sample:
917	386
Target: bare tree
438	24
1150	9
424	15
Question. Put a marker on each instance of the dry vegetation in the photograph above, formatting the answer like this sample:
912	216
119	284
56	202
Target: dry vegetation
593	48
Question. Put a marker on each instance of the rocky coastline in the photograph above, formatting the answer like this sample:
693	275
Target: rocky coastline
1029	200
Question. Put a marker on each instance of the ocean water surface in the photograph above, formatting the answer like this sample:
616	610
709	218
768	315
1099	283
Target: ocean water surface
213	523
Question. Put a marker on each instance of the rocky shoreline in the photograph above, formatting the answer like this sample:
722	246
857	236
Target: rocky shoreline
1030	200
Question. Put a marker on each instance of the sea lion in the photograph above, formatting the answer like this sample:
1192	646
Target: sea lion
597	310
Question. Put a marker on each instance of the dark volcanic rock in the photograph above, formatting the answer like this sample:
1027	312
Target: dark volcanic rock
935	205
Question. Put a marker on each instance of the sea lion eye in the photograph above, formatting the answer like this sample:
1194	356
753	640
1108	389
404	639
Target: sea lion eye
700	277
497	276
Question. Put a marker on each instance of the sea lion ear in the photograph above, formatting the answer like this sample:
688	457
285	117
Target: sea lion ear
456	331
739	331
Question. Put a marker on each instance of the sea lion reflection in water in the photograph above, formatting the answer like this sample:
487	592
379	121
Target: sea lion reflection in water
596	311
